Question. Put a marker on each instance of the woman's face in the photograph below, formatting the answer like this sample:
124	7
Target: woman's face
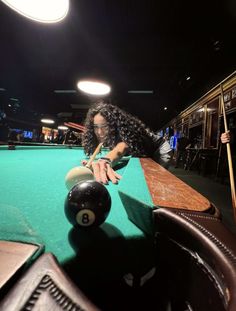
100	127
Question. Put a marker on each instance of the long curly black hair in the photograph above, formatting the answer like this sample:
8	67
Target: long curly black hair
122	127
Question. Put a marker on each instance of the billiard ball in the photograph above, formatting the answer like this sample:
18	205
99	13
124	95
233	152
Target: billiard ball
77	174
87	204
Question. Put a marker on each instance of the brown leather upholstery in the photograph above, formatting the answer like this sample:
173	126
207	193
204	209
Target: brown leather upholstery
45	286
196	260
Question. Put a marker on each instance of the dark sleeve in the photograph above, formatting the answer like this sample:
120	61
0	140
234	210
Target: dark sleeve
149	146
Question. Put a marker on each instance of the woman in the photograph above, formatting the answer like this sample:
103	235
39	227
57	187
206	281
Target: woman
123	134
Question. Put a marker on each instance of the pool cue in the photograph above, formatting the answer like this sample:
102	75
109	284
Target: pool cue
194	159
97	150
81	128
76	124
220	152
231	171
218	160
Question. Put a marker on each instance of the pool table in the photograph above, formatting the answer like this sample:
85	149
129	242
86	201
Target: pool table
32	195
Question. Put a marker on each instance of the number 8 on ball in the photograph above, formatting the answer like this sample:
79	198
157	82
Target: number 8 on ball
87	204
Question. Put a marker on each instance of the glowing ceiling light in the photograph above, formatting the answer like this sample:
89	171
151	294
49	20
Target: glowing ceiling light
94	88
62	127
47	121
45	11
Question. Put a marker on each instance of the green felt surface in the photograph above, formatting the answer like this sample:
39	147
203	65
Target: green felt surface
136	198
134	182
32	194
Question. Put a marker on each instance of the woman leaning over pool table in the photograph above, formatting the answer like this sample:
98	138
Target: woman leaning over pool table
124	135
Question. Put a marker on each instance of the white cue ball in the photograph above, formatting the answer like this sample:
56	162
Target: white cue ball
77	174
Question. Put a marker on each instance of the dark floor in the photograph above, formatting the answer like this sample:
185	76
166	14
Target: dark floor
213	190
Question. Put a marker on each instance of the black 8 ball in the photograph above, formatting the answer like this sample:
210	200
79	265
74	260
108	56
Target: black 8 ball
87	204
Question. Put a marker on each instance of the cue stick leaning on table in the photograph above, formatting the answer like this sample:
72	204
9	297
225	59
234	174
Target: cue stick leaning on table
231	171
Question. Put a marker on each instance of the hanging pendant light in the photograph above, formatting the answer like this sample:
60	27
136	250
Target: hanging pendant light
94	87
45	11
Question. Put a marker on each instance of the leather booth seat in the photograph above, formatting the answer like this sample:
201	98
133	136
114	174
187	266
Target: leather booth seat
196	261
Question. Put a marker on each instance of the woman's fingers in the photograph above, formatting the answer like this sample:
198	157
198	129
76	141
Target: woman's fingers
96	171
100	171
117	176
225	137
112	175
103	172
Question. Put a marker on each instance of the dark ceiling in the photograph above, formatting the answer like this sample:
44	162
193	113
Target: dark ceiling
134	45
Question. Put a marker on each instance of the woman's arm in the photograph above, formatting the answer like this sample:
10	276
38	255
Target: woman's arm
117	153
102	169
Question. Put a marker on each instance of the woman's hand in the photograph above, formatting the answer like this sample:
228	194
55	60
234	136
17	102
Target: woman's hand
103	172
225	137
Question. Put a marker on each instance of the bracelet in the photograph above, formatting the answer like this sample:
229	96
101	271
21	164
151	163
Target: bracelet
108	161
